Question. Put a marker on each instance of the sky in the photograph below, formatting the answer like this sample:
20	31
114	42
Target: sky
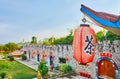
22	19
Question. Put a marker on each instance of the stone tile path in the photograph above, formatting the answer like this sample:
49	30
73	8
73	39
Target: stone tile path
31	64
34	65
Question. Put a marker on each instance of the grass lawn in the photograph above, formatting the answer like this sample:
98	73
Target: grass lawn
17	70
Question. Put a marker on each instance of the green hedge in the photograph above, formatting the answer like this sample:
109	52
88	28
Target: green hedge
24	57
11	58
65	68
43	68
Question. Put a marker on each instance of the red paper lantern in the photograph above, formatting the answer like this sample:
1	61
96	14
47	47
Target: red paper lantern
84	44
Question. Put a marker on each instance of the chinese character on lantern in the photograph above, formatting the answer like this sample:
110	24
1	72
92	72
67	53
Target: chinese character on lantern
89	47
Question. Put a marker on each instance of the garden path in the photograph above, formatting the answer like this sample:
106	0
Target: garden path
34	65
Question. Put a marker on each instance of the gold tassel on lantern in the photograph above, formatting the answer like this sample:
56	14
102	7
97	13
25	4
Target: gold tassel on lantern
39	75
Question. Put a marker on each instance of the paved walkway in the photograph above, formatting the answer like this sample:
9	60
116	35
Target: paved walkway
30	63
34	65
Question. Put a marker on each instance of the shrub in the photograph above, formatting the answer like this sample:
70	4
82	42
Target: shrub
62	67
65	68
5	55
69	68
43	68
3	75
24	57
57	68
11	58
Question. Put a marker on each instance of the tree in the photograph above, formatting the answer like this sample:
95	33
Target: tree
108	36
46	42
51	40
6	49
59	40
62	40
10	47
100	36
1	47
111	36
34	40
68	39
65	40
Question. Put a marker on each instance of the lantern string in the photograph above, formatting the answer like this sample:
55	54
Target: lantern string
84	19
91	22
